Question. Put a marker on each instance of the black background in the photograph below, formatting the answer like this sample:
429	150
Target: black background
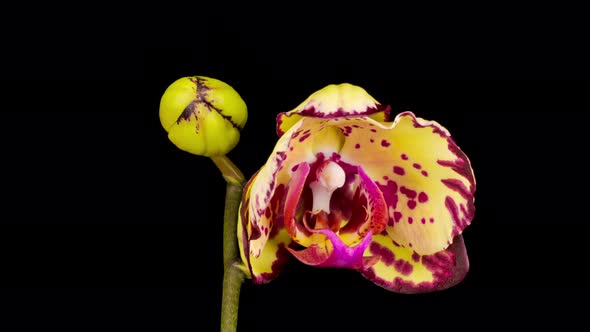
107	225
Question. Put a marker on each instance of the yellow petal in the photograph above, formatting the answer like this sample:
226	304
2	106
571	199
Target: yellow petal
331	102
272	256
426	180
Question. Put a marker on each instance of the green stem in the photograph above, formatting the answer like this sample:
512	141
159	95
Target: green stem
231	173
232	275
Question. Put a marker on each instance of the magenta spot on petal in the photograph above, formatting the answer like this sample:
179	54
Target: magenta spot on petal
397	216
460	222
417	166
410	220
423	221
403	267
441	263
290	148
346	130
385	177
388	258
374	130
431	220
265	231
385	254
304	137
424	173
356	126
267	213
411	204
385	143
458	186
411	194
281	155
410	244
357	146
404	156
372	140
389	191
415	257
294	168
422	197
398	170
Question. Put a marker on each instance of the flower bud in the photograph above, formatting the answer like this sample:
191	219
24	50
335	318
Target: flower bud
203	115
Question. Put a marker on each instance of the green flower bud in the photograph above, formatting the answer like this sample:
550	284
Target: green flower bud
203	115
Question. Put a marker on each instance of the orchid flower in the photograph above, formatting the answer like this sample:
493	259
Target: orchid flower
345	188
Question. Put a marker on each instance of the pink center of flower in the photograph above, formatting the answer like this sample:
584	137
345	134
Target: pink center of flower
332	209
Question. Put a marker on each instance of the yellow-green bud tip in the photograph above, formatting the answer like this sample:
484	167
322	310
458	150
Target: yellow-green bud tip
203	115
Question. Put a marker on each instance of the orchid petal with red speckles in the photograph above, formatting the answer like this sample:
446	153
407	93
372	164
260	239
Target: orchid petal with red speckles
427	181
334	101
274	255
402	270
